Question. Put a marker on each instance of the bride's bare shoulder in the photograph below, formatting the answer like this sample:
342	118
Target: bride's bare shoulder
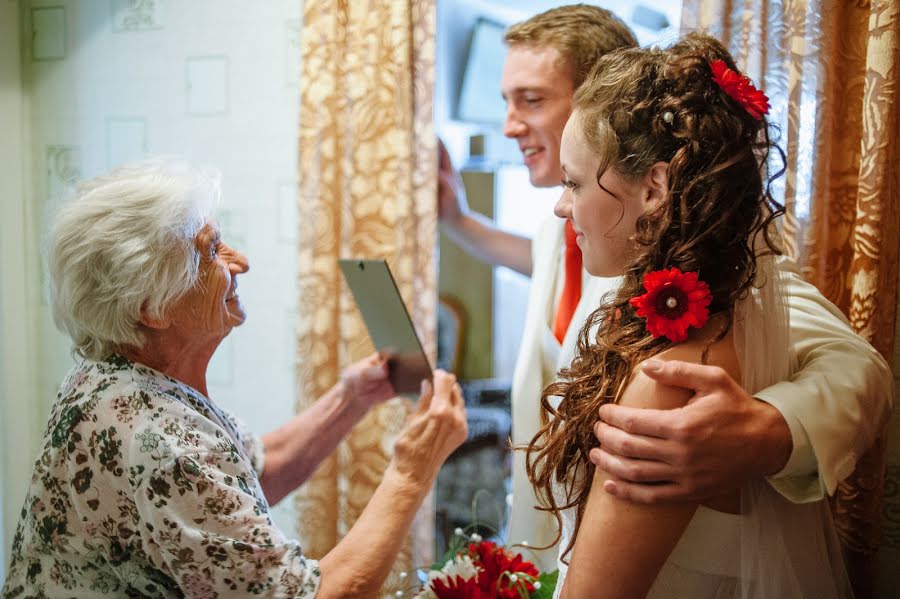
644	392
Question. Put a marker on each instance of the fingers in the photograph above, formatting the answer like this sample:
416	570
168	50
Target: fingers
617	442
448	408
444	391
370	367
461	423
638	421
456	396
374	369
647	494
426	393
376	359
443	386
687	375
369	377
629	469
444	162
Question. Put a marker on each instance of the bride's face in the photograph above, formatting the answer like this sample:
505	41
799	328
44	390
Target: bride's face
603	211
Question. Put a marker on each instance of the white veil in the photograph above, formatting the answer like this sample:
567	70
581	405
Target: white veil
787	549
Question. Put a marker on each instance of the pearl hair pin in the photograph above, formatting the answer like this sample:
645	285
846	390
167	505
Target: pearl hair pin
668	117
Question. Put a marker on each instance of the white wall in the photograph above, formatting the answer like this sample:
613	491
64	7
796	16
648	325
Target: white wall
20	409
107	81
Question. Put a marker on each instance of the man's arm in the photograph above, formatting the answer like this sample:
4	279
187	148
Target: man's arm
720	439
837	403
806	432
474	232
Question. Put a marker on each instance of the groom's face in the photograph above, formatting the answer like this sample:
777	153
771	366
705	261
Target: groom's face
538	88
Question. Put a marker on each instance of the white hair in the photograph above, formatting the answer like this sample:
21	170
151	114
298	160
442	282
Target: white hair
124	244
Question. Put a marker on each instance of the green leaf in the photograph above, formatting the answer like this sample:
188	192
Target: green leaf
548	585
457	545
448	556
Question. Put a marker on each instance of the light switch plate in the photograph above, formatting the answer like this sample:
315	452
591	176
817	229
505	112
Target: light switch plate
63	170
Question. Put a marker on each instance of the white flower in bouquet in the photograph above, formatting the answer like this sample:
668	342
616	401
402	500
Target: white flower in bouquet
460	565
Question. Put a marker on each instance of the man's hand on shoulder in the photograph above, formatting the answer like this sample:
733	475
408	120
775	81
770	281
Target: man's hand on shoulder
719	440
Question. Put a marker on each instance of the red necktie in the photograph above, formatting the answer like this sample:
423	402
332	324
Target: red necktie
571	292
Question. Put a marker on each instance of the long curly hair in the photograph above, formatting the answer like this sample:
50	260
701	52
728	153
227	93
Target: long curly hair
715	220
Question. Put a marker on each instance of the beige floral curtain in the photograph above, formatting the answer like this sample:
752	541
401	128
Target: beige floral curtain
367	168
832	68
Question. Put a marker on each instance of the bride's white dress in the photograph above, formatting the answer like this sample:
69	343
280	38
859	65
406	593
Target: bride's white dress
774	549
704	564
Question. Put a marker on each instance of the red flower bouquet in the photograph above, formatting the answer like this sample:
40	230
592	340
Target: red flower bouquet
458	588
479	569
740	88
674	302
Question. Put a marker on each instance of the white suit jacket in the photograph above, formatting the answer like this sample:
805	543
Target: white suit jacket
834	406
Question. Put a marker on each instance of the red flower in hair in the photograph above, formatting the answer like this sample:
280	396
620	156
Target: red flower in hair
740	88
674	302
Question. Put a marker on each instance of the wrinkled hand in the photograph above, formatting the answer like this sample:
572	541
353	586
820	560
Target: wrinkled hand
452	205
719	440
436	428
366	382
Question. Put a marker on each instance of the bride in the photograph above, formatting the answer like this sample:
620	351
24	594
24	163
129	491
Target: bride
666	183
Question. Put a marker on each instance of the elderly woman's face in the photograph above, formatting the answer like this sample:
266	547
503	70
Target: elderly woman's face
213	307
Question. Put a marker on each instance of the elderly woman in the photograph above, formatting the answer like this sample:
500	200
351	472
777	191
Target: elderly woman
144	486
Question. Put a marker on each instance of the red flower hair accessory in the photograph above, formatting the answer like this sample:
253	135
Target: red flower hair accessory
740	88
674	302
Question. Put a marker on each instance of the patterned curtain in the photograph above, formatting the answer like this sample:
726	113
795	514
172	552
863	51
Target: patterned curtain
832	68
368	159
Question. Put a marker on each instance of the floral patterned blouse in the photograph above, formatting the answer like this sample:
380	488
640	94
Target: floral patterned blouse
145	488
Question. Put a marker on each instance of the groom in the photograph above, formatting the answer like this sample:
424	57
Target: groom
804	434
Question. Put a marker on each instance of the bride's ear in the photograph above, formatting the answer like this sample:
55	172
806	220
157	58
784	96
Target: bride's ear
656	182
